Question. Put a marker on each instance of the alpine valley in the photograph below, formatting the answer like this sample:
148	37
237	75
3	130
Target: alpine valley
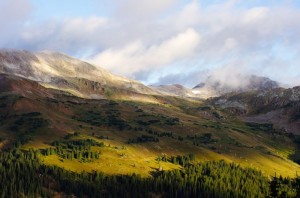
71	129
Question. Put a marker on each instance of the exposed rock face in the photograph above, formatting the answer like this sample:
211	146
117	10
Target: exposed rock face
59	71
278	106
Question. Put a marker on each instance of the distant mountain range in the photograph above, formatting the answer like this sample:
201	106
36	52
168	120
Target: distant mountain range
213	88
62	72
260	99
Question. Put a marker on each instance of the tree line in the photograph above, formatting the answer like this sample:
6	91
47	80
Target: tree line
74	149
23	175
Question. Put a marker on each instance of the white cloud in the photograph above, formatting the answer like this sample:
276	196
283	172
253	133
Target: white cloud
71	34
234	75
187	17
137	57
255	15
142	9
230	43
141	37
13	11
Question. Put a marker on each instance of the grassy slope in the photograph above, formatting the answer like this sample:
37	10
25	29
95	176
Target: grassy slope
235	140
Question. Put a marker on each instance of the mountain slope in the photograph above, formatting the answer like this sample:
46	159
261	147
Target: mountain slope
60	71
135	135
278	106
63	101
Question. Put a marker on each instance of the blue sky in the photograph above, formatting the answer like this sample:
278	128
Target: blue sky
164	42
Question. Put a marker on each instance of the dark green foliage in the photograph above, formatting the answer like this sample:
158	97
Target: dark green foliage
284	187
180	138
142	139
261	127
296	155
172	121
116	121
206	138
69	136
74	149
160	134
182	160
91	117
218	179
78	144
26	125
32	114
164	134
110	117
149	122
20	175
113	117
101	137
217	115
30	122
23	175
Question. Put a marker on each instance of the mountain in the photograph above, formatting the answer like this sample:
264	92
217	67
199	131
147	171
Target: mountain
58	71
213	87
54	131
278	106
34	116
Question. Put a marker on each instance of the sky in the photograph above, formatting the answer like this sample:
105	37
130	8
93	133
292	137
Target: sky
166	41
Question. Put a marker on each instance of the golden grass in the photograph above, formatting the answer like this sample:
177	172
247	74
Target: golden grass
119	158
114	161
258	150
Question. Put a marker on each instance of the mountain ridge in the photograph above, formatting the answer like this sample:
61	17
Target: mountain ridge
278	106
60	71
213	87
52	68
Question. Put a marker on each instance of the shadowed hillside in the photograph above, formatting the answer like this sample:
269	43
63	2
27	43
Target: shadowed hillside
144	139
